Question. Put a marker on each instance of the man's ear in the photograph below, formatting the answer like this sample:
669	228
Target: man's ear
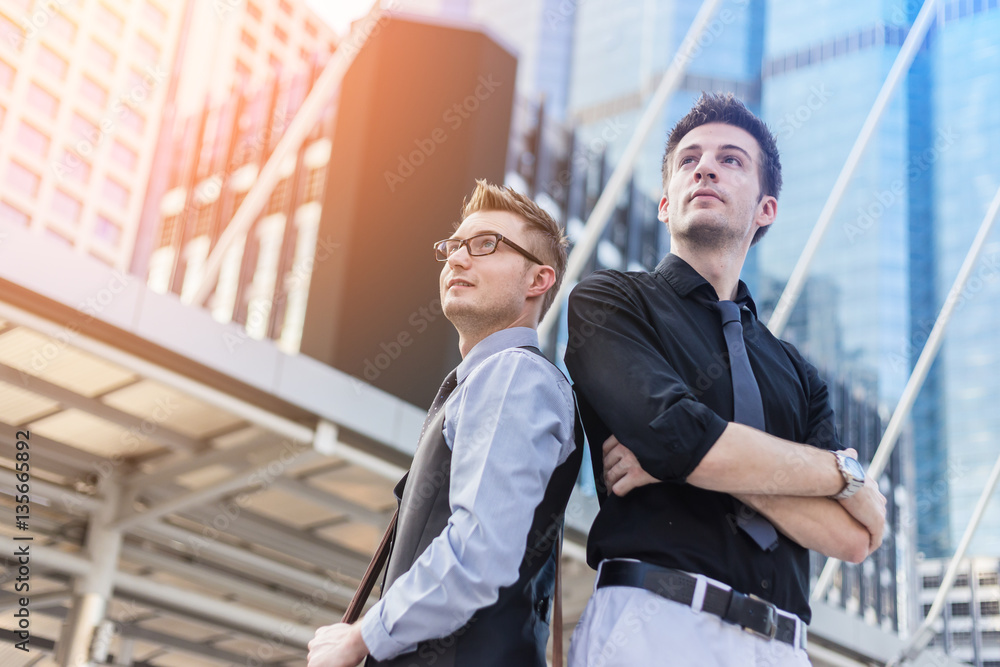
542	281
662	213
767	210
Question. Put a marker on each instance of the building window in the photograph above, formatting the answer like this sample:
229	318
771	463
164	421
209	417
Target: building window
932	581
84	129
311	29
254	11
960	609
285	6
135	121
11	33
248	39
101	57
109	20
989	608
124	156
155	16
62	28
52	63
961	581
991	638
13	215
34	140
314	184
988	578
148	52
962	638
107	231
66	207
42	101
94	93
6	75
281	35
277	202
73	168
927	609
117	194
22	179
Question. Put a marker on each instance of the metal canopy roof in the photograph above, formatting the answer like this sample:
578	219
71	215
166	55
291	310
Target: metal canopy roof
249	488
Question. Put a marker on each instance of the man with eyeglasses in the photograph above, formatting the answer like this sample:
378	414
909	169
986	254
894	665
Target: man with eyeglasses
473	561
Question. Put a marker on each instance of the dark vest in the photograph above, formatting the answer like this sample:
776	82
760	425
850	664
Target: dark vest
513	630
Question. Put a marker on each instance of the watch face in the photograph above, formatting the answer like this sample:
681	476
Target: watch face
854	468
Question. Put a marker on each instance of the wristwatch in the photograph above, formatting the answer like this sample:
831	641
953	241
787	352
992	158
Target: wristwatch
854	475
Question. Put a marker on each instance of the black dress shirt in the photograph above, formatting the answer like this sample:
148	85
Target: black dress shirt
649	361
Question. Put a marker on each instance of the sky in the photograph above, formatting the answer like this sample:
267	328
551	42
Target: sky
340	13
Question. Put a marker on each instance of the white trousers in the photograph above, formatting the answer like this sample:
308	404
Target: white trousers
633	627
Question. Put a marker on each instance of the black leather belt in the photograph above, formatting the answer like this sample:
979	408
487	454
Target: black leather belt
747	611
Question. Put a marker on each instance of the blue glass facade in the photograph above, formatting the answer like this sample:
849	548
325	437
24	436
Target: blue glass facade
812	71
965	68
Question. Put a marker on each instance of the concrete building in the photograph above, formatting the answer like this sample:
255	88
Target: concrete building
969	626
83	87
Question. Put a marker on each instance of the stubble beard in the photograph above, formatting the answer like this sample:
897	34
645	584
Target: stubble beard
712	235
477	321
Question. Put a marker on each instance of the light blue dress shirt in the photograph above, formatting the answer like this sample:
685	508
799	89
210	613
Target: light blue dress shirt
509	424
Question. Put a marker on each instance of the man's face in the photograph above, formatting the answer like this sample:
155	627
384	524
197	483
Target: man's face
713	195
487	292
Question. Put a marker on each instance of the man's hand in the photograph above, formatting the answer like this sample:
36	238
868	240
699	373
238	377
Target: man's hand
867	506
337	645
622	471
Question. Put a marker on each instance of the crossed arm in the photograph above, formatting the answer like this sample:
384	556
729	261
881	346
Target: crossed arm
848	529
672	437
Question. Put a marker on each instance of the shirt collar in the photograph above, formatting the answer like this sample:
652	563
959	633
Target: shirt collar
495	342
685	280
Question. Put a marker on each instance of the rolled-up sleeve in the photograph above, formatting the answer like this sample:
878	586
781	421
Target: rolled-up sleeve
619	367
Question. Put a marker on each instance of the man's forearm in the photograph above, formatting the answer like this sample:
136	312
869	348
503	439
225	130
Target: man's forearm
747	461
820	524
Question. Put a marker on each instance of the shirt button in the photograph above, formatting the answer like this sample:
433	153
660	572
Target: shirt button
764	584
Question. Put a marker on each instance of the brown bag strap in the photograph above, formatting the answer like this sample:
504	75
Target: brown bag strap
557	616
371	574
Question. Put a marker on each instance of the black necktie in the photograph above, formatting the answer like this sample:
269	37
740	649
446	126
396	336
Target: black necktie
747	409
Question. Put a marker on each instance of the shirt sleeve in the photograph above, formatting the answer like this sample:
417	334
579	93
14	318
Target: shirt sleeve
619	366
512	424
822	427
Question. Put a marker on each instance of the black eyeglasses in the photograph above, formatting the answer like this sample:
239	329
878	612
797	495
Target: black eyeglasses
478	245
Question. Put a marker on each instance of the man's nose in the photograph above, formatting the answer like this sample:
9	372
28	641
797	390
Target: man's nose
706	169
460	257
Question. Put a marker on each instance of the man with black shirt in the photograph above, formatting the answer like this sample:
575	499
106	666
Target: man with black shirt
720	457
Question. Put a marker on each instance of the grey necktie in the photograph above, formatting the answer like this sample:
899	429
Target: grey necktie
747	409
444	392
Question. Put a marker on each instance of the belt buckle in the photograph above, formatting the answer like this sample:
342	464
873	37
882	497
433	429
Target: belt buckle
769	621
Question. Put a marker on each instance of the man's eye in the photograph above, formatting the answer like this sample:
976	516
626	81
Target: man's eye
732	159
